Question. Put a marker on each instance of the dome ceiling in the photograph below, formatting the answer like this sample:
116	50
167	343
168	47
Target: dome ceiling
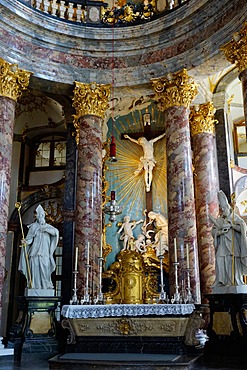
61	52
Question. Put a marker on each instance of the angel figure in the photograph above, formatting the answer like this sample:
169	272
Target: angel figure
127	228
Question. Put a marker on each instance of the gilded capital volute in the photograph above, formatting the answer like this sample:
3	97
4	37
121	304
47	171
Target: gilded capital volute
236	49
177	89
12	80
202	119
90	99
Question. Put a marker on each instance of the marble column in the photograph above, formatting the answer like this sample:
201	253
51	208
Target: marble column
90	102
69	206
12	81
222	143
174	94
202	124
236	53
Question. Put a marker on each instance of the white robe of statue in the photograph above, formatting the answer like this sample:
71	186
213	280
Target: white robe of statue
229	232
40	243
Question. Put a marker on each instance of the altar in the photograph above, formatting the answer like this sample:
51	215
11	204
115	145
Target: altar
132	328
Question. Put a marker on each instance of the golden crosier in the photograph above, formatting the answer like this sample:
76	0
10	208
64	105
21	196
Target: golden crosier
90	99
12	80
236	49
202	119
177	89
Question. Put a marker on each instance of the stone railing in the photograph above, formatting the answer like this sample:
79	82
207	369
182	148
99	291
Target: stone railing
71	11
78	11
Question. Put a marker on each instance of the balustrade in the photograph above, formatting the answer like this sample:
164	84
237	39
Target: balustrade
76	11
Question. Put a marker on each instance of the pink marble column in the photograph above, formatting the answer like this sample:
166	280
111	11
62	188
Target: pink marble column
174	94
206	188
12	80
7	116
90	101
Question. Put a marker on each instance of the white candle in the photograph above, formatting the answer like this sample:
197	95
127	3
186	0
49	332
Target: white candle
101	246
187	256
175	250
88	253
160	245
76	258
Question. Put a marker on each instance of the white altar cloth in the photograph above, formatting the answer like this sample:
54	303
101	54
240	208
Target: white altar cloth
113	310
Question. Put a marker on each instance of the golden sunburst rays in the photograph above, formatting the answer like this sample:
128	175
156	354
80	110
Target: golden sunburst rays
130	185
159	186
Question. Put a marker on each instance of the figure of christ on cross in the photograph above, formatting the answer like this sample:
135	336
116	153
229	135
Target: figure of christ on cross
147	161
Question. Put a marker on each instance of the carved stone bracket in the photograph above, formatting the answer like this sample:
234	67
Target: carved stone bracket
66	324
195	323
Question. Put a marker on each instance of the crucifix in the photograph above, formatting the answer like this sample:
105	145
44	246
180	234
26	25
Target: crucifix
146	140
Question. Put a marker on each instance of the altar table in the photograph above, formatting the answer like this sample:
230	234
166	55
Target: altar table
146	328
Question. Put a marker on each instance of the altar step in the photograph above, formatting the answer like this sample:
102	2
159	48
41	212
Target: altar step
122	361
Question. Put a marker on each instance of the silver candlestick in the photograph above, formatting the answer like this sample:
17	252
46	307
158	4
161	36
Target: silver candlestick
74	299
162	296
189	297
176	297
86	299
113	209
100	295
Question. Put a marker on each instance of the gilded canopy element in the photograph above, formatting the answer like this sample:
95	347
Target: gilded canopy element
177	89
202	119
12	80
236	49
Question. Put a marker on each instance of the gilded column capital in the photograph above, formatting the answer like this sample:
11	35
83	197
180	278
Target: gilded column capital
12	80
90	99
202	119
236	49
177	89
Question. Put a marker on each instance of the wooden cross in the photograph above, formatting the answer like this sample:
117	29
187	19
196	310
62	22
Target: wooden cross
149	135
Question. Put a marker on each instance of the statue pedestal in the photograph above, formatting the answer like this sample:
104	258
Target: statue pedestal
227	330
35	328
39	292
231	289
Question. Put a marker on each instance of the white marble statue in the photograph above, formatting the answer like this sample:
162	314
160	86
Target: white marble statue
147	161
36	259
161	234
127	228
229	233
139	244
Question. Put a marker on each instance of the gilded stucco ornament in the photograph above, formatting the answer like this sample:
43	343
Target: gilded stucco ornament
236	49
107	248
202	119
177	89
90	99
12	80
127	13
